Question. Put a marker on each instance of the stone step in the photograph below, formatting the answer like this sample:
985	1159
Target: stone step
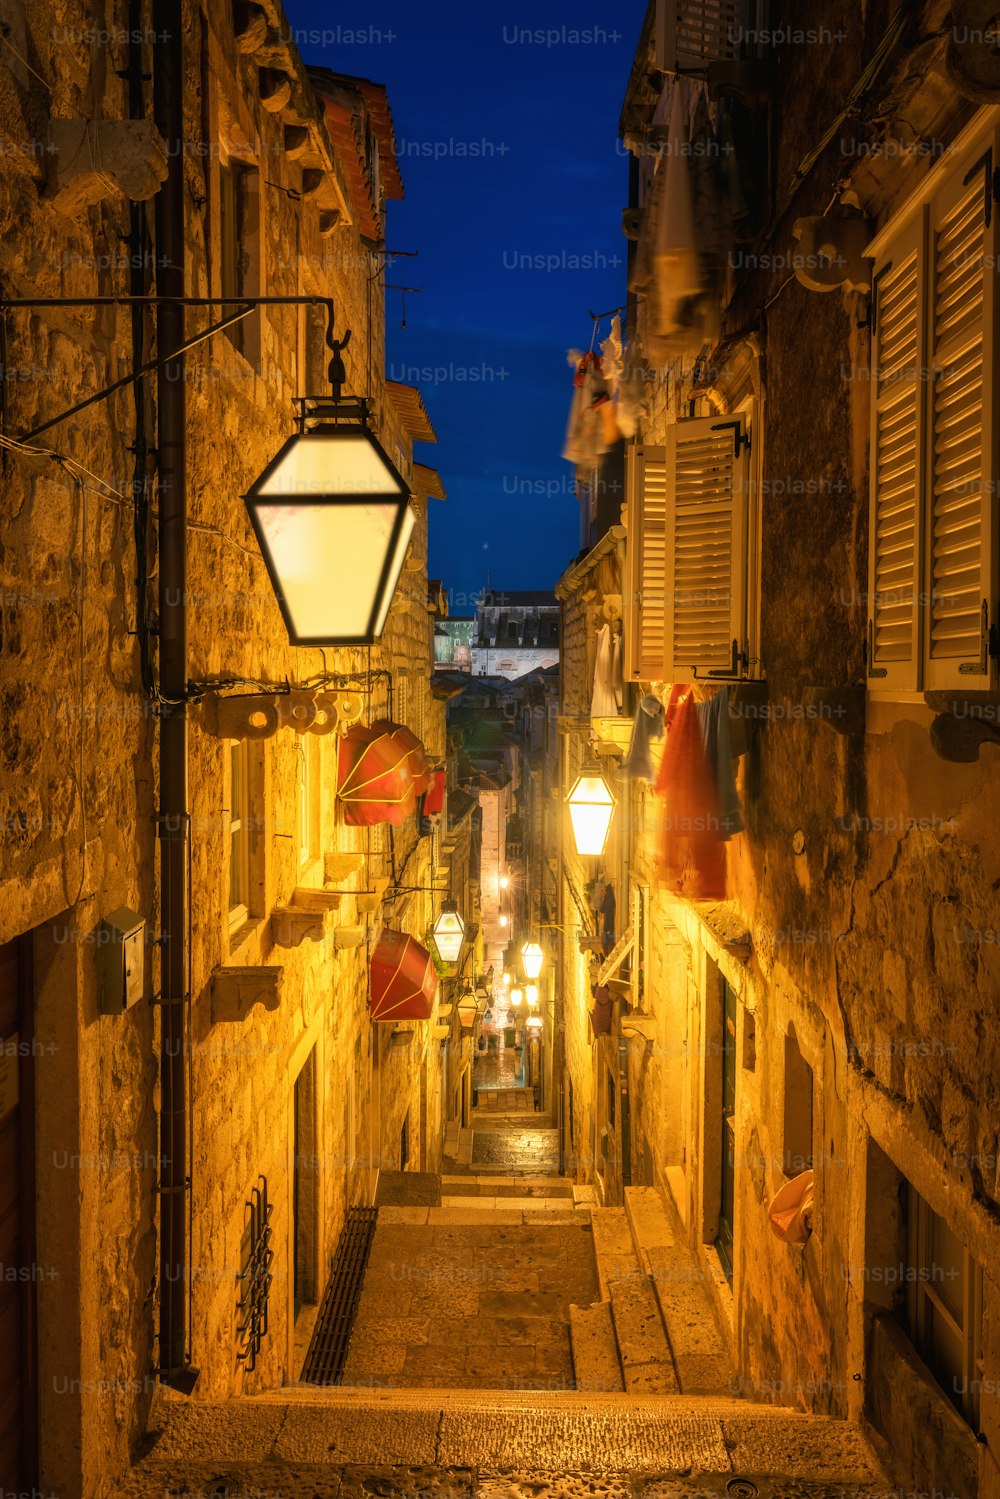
679	1281
464	1153
614	1249
596	1365
503	1187
561	1431
650	1225
479	1212
647	1364
451	1134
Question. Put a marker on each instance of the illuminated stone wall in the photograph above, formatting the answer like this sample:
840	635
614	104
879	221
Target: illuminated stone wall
78	789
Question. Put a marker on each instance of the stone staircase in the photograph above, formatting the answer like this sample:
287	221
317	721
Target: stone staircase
654	1331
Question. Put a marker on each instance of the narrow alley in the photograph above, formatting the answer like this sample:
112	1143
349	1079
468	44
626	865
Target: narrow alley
499	749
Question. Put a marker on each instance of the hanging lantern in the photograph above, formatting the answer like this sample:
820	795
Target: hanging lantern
504	882
591	806
467	1010
448	932
532	958
375	779
516	997
531	995
504	919
333	521
403	979
506	980
533	1024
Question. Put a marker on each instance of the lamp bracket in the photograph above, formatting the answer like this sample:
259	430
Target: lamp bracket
243	305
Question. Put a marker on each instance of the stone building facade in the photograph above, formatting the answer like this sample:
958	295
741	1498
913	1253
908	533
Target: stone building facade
285	181
818	372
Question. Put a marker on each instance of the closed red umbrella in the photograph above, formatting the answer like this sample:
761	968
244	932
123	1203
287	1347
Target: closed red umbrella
419	764
403	979
375	782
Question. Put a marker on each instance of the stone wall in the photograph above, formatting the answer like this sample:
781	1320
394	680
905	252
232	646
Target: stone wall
80	771
863	891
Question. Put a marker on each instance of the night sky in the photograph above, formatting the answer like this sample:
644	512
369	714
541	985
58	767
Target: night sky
514	182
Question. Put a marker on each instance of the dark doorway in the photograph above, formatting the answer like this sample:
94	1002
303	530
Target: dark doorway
727	1193
18	1371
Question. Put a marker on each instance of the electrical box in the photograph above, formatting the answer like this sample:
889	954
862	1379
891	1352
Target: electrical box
123	960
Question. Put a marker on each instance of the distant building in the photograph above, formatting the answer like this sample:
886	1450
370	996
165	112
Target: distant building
453	640
516	632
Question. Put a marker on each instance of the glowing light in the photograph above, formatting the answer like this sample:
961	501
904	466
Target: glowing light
515	997
532	957
448	933
531	995
591	807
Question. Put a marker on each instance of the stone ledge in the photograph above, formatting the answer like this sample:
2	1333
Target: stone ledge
238	991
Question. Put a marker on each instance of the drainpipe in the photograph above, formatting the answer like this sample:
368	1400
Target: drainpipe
173	817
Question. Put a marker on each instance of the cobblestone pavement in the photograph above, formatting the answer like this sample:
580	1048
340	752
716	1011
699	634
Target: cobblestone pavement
458	1307
353	1444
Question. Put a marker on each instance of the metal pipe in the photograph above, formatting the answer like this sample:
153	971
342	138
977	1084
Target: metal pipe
173	818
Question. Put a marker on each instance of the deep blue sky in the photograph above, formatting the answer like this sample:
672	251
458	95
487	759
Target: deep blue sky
549	180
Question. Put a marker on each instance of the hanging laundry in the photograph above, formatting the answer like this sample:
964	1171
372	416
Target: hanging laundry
691	856
714	718
606	698
603	1010
612	366
648	726
586	437
676	257
633	392
790	1211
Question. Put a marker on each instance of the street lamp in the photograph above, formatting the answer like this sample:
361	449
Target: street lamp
532	958
591	806
467	1010
531	995
332	517
448	932
506	980
533	1023
504	882
515	998
504	919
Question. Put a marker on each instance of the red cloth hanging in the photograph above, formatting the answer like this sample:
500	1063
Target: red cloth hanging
403	979
375	780
434	800
691	858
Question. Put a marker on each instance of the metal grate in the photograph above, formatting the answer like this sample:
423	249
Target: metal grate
324	1363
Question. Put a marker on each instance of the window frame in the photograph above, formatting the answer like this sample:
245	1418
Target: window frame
923	1299
976	149
238	911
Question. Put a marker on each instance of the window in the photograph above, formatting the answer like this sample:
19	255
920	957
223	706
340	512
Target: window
239	834
944	1309
308	751
690	34
239	250
933	460
404	1144
612	1099
686	605
797	1151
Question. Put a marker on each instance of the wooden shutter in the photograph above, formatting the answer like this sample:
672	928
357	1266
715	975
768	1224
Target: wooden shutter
897	428
961	466
646	491
692	33
704	616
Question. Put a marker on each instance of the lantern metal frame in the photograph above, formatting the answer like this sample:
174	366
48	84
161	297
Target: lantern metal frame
448	908
532	960
335	420
591	772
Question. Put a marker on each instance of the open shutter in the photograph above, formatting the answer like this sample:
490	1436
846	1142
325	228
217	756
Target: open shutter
646	481
705	633
692	33
897	428
961	464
